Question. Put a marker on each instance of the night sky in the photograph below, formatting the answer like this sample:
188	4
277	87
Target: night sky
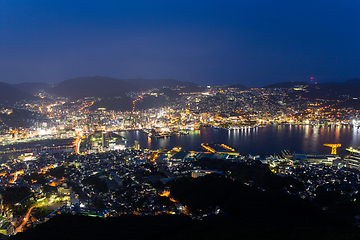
253	42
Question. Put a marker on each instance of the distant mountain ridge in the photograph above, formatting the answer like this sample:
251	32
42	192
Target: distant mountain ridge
32	87
9	94
239	86
98	86
159	83
332	91
329	90
285	85
354	81
91	87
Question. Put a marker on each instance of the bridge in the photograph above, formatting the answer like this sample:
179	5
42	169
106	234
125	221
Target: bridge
33	149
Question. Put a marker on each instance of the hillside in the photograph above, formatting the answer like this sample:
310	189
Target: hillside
253	214
159	83
328	90
354	81
9	95
285	85
32	87
105	87
111	87
21	118
239	86
332	91
243	211
91	87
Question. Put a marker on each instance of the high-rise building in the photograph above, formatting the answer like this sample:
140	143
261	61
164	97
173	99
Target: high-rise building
137	145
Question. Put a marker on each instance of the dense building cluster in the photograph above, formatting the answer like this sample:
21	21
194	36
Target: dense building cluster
218	106
102	176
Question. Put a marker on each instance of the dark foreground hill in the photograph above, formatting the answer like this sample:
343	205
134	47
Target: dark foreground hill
66	226
246	213
69	227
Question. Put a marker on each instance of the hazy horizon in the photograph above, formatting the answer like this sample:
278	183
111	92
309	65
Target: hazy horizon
246	85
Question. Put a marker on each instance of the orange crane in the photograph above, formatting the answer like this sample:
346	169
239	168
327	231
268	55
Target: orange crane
333	147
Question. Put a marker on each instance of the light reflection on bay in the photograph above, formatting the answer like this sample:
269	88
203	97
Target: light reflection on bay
269	139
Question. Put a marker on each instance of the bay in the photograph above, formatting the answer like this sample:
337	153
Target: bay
269	139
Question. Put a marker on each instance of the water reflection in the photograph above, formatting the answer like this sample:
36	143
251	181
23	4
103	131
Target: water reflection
269	139
149	142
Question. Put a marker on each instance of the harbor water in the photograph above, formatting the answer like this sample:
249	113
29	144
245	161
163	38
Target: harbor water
269	139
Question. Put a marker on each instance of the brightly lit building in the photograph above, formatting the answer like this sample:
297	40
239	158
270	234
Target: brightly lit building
102	142
353	159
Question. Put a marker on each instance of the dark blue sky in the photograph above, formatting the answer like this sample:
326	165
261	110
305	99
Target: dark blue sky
208	42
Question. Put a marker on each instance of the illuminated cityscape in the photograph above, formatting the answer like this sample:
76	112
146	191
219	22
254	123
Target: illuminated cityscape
179	120
95	171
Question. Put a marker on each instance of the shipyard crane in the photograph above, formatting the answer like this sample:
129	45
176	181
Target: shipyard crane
333	147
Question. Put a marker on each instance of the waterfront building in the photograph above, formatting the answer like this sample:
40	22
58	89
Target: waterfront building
102	142
315	158
353	159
